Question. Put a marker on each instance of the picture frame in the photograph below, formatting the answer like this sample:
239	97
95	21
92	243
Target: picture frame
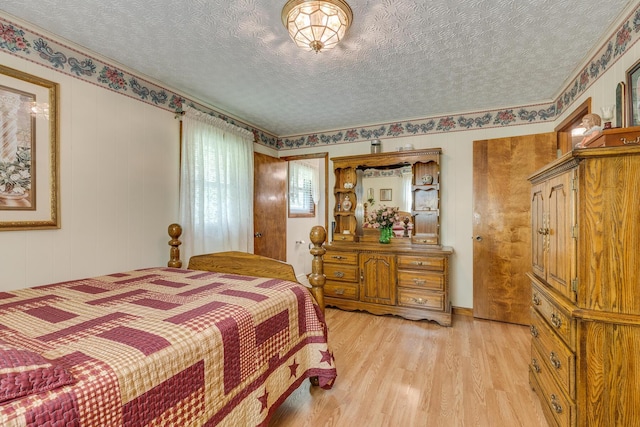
29	152
621	105
385	195
633	100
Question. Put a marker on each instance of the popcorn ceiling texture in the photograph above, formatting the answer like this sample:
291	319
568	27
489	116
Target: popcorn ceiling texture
401	60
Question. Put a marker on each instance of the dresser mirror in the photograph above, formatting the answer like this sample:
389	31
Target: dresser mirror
413	178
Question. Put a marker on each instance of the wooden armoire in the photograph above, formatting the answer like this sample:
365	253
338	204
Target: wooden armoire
585	327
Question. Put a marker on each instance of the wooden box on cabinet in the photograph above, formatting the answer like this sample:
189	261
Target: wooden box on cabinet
586	286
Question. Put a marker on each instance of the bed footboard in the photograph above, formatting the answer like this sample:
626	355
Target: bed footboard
255	265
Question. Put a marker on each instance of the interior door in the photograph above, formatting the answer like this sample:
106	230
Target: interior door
270	206
502	223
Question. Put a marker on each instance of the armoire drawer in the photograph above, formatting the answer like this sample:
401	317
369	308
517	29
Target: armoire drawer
554	353
560	320
554	401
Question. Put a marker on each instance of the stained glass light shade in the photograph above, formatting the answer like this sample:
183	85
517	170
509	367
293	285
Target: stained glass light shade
316	25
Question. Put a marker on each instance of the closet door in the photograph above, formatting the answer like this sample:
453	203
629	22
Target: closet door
502	223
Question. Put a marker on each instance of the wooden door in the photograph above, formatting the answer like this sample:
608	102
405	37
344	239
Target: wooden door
270	207
502	225
378	278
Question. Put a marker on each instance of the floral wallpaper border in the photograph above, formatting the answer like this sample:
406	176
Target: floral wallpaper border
44	51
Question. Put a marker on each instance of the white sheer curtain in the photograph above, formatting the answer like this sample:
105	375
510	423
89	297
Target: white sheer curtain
216	185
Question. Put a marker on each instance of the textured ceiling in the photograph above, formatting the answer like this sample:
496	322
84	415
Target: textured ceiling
401	59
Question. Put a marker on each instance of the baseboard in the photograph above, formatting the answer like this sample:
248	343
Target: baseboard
462	311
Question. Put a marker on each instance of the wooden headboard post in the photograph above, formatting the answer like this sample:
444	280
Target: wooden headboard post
175	230
317	278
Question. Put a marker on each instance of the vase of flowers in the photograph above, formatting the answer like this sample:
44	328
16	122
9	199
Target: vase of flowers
383	218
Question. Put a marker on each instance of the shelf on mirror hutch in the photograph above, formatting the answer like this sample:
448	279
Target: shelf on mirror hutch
409	276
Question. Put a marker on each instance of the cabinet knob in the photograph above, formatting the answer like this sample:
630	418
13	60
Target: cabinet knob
543	231
555	405
535	366
534	331
477	238
535	300
556	320
553	357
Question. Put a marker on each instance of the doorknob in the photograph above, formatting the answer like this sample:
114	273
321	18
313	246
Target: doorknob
257	234
478	238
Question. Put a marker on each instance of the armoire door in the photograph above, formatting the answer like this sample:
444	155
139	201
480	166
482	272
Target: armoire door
502	223
270	207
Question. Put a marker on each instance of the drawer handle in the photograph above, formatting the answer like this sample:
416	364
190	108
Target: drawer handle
534	364
419	301
543	231
556	320
343	238
423	241
337	257
419	281
340	291
338	274
417	263
553	357
555	405
534	331
536	300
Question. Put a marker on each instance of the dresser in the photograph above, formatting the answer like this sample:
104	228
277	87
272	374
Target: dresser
585	277
409	276
395	279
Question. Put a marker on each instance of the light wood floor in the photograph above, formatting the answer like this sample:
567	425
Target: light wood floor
396	372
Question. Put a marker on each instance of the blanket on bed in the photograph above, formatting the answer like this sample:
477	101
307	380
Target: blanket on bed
158	347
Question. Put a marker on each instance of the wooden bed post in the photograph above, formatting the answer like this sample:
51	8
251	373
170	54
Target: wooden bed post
175	230
317	278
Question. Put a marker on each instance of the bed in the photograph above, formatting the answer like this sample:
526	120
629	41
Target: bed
222	342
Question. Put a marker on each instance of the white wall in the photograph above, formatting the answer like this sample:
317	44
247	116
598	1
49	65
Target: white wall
119	163
456	191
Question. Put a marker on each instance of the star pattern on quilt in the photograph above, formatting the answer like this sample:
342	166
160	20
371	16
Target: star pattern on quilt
294	368
326	356
264	400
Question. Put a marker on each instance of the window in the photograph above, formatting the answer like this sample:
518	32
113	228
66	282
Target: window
303	189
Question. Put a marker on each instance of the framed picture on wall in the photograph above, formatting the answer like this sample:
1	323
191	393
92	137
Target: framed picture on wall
633	100
29	190
385	195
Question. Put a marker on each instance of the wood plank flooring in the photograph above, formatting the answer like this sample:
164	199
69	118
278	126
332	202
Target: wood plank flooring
396	372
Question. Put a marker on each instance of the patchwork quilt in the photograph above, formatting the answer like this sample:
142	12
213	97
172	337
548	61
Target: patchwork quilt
158	347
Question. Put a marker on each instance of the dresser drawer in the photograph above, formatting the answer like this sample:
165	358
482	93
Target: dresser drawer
341	258
343	273
421	279
344	238
421	262
341	290
556	356
420	299
560	320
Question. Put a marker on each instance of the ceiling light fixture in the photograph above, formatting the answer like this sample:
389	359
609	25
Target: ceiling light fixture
316	25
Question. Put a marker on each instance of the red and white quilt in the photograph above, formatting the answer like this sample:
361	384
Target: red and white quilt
158	347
